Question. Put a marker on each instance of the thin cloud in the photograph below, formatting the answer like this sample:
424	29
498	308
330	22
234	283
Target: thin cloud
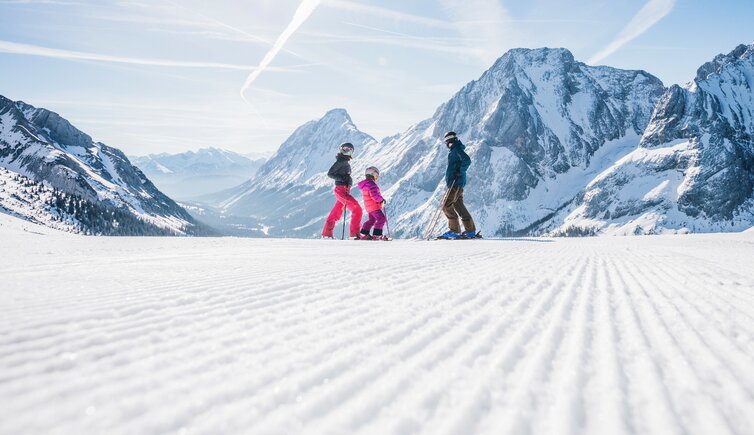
406	35
41	2
208	27
35	50
525	20
648	16
384	12
304	11
487	16
223	25
426	44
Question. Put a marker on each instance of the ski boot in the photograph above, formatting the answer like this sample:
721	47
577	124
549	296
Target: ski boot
468	235
449	235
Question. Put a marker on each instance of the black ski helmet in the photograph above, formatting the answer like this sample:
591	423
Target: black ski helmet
346	148
450	137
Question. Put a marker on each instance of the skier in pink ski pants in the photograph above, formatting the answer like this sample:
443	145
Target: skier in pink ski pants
341	173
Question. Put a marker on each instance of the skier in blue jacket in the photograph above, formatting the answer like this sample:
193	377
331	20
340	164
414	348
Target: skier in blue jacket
455	180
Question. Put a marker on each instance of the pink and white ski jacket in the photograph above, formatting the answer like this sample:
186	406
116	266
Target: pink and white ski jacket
371	193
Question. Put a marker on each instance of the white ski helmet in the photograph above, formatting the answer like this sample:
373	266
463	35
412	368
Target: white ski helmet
346	149
373	171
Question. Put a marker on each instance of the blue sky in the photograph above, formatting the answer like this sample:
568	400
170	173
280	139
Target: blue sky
151	76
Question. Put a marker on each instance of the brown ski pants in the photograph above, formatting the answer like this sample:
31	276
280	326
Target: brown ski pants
453	208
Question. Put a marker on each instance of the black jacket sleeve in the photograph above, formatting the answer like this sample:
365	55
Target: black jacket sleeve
333	172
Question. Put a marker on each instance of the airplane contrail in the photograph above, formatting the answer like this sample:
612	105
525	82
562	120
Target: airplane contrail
649	15
35	50
224	25
305	9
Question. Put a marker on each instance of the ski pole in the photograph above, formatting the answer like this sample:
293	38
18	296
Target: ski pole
433	222
431	225
439	210
387	223
345	217
435	219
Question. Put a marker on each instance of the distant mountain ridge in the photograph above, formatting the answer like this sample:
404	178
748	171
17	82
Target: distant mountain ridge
57	175
193	174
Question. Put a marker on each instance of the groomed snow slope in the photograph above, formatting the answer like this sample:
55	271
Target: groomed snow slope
645	335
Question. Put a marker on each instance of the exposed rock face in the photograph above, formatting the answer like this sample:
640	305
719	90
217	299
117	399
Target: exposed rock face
532	124
694	168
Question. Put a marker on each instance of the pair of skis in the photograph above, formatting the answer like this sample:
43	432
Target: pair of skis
461	237
387	224
386	239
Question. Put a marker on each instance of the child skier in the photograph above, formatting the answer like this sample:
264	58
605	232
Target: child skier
373	203
341	173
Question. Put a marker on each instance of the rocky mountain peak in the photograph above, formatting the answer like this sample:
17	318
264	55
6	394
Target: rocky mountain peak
526	57
337	114
741	52
312	147
56	127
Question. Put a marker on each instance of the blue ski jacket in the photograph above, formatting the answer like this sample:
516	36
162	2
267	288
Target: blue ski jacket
458	164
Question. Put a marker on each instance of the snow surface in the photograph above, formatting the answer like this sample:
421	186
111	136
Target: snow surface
10	224
650	335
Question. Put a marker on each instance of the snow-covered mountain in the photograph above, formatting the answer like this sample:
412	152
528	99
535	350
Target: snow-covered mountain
193	174
291	194
694	168
558	147
55	174
538	126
